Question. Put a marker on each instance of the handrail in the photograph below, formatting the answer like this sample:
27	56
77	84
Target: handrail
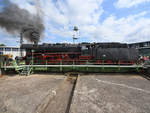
100	62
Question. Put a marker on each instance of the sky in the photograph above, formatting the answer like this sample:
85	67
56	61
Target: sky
125	21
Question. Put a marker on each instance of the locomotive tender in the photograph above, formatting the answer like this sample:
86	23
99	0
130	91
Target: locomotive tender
83	53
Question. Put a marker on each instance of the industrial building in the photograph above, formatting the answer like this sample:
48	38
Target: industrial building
14	51
140	45
143	47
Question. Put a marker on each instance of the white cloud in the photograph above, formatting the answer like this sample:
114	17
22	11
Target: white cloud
129	3
26	4
60	17
74	11
133	28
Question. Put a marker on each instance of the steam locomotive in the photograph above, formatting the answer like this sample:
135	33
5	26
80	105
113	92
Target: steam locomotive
83	53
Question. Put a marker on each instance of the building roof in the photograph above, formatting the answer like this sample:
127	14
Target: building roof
8	47
140	42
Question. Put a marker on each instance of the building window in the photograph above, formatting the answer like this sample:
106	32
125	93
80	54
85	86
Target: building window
15	49
1	53
145	44
7	49
1	49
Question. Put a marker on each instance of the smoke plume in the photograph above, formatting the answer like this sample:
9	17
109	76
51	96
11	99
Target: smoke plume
16	20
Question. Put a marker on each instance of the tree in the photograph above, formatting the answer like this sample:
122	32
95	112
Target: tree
2	45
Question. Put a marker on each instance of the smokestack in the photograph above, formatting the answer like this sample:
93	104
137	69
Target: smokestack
16	20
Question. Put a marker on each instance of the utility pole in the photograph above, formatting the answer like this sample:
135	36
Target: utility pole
21	42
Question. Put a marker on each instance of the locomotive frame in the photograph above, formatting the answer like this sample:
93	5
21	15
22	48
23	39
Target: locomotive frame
80	54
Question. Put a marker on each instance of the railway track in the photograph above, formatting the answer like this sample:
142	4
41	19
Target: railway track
61	101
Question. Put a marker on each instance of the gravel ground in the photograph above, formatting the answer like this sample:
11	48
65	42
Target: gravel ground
111	94
20	94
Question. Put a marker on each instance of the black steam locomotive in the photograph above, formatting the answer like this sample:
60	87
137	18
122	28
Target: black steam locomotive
83	53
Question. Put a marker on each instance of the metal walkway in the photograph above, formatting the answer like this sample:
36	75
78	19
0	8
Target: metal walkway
76	68
115	66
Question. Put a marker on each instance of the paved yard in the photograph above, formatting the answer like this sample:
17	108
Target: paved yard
111	94
105	93
20	94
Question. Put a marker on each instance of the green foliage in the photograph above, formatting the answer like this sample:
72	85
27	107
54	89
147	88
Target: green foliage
2	45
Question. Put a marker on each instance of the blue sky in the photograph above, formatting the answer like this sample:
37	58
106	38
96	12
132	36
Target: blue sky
97	20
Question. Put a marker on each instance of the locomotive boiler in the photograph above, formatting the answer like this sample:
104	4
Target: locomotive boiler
83	53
